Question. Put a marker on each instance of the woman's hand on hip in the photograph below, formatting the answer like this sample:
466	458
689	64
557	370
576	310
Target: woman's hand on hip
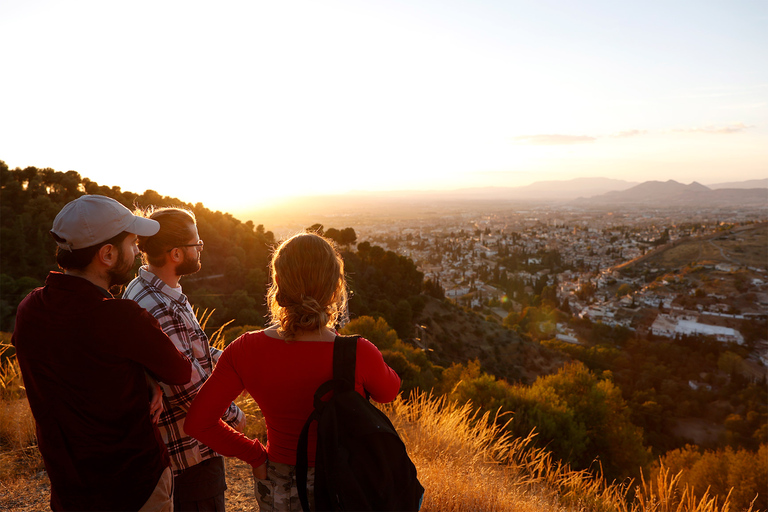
260	472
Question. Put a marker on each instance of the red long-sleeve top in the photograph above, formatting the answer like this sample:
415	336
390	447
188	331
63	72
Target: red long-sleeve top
282	377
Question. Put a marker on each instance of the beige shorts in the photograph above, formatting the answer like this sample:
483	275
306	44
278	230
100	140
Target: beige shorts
161	499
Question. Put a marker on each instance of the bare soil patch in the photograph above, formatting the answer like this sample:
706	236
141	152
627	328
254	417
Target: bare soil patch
31	493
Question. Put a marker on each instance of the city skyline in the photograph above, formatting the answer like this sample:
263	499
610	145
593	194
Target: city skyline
252	102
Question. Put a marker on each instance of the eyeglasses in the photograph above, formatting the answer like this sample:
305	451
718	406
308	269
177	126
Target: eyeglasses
200	244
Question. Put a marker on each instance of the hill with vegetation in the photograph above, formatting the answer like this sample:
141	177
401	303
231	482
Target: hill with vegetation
597	412
732	245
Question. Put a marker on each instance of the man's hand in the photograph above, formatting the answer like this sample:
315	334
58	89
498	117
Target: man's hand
240	425
156	399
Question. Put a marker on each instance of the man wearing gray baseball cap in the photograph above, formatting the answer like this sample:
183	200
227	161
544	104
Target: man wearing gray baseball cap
88	360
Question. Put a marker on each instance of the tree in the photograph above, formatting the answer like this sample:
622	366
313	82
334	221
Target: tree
256	282
410	363
375	330
623	290
235	256
242	308
315	228
434	289
348	237
742	473
586	291
403	319
549	296
334	234
599	406
730	363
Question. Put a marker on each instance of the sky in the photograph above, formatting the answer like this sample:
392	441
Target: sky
242	103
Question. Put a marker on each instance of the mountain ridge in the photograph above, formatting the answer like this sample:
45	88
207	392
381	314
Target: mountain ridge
673	193
577	193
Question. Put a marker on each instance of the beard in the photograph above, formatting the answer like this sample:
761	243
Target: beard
122	272
188	265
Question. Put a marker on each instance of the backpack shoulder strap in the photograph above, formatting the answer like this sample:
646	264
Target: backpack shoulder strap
302	462
344	358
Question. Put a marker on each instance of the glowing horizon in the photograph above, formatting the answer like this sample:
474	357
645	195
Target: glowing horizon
248	103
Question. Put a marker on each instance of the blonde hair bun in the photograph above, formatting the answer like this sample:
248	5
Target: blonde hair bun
308	289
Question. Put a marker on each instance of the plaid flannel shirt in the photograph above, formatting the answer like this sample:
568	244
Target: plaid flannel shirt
177	319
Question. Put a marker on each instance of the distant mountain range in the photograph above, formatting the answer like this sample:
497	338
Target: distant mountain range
741	184
551	190
672	193
579	192
601	190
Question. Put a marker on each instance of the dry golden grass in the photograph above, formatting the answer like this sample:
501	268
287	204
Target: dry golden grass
666	495
17	426
467	462
464	460
18	444
10	375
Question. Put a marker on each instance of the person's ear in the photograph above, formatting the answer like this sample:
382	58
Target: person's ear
176	256
107	255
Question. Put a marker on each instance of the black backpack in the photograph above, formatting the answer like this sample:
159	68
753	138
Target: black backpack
361	463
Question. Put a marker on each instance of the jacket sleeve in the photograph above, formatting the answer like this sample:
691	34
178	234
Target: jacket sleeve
204	416
233	415
149	346
378	379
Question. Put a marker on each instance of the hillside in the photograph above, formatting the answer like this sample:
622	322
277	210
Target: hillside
456	335
741	246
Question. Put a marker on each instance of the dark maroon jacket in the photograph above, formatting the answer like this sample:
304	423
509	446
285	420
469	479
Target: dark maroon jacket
83	356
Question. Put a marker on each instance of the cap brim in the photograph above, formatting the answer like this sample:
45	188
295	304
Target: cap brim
143	227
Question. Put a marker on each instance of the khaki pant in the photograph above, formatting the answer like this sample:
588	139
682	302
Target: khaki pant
278	492
161	499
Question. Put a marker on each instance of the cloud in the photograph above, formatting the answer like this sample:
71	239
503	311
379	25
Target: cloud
554	140
731	128
630	133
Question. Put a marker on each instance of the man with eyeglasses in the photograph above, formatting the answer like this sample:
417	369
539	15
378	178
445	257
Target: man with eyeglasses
174	251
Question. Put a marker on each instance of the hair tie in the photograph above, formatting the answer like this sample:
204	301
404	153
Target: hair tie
311	305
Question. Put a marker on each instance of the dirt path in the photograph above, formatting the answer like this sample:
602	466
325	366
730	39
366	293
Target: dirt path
725	256
32	494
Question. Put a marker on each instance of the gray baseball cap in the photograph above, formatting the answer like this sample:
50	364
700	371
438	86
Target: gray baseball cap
92	219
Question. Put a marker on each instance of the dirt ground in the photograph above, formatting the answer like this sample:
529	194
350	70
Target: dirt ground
240	487
32	494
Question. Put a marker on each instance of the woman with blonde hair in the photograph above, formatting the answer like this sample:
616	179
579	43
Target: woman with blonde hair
282	366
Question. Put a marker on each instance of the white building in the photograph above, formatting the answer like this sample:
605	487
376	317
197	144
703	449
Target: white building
459	291
671	327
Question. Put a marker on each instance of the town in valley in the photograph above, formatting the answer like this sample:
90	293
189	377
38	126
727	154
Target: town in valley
666	272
